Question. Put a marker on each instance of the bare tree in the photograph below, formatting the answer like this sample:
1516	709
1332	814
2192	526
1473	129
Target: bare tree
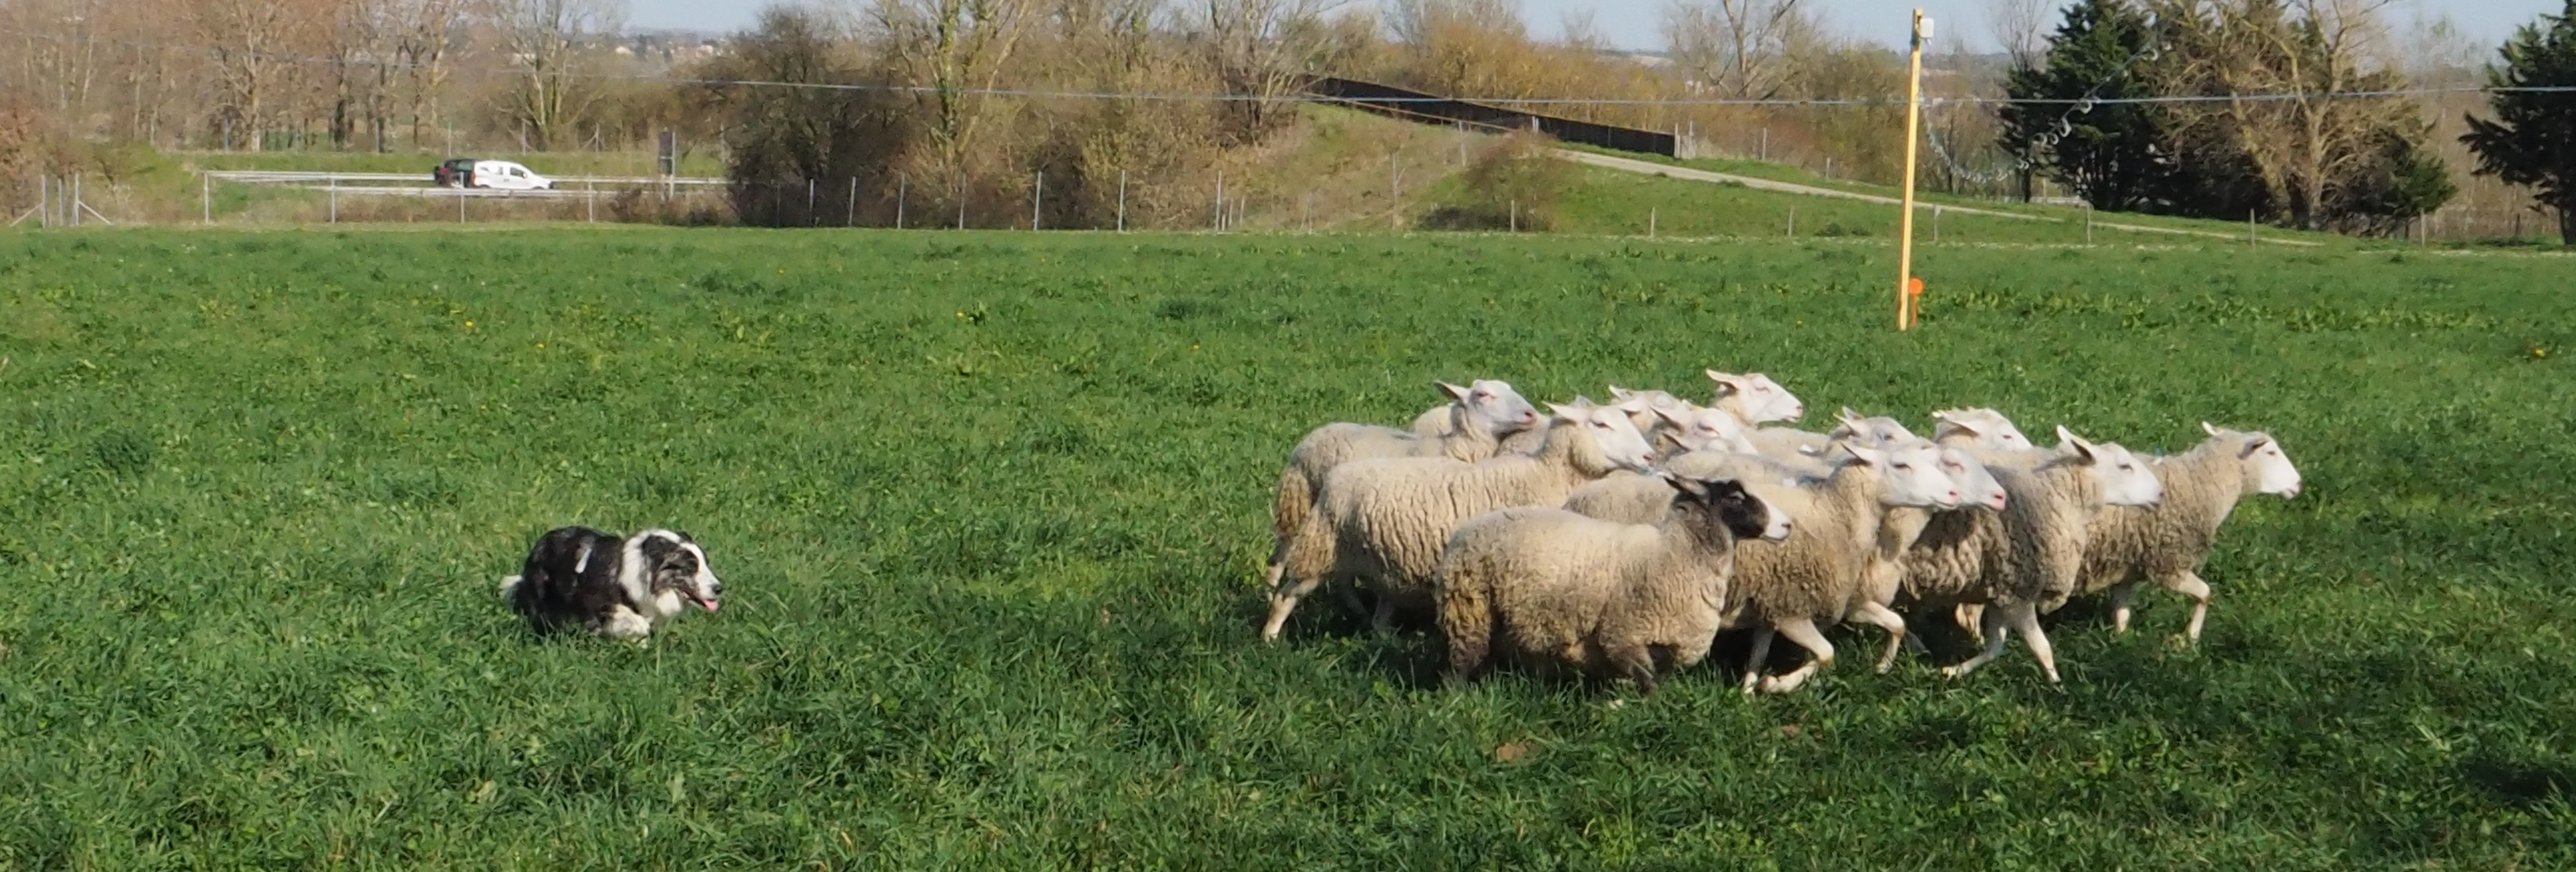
1738	48
253	44
2021	27
544	41
421	33
955	51
1262	49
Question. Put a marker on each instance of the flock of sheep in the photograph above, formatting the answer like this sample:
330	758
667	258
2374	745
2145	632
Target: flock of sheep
1619	539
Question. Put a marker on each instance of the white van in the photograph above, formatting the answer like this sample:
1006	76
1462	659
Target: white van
507	176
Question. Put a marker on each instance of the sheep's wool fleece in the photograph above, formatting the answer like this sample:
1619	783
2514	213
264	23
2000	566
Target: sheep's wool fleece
1813	573
1566	588
1388	518
2174	537
2029	552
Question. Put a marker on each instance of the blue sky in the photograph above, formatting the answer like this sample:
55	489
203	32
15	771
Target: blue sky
1631	23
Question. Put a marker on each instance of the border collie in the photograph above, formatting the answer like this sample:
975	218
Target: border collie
612	587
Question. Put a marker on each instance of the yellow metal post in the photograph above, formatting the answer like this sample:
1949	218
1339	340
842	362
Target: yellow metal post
1905	220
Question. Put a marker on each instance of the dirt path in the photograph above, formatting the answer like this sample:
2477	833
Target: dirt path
1629	165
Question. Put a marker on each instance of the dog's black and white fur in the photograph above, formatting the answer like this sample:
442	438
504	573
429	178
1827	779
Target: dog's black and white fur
611	586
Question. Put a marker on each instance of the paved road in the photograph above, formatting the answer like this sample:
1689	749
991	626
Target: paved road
1631	165
355	180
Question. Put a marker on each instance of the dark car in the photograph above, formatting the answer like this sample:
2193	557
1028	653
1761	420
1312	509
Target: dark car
455	173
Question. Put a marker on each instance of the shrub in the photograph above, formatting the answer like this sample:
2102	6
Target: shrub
1515	182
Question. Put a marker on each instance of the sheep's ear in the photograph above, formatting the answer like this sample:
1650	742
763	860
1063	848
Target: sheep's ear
2208	428
1684	485
1455	392
1677	419
1726	384
1813	451
1619	393
2255	444
2076	445
1865	456
1570	413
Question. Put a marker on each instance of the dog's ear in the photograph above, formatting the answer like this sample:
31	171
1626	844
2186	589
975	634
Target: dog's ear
685	537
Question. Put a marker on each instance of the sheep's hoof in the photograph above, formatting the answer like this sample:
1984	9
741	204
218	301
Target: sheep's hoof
1952	672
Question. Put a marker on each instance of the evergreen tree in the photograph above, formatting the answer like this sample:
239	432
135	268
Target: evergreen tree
2532	140
2106	153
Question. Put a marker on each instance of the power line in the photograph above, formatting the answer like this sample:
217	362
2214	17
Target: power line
2077	105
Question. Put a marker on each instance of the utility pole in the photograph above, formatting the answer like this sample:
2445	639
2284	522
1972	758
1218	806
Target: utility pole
1905	281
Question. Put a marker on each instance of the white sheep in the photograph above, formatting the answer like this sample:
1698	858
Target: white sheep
2030	552
1977	428
1982	429
1755	399
1819	572
1978	491
1715	447
1479	414
1550	587
1385	519
2169	542
1793	444
1440	422
1698	428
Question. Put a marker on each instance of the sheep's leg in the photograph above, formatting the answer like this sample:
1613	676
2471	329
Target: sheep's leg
1991	621
1803	632
1969	617
1761	652
1349	591
1283	599
2188	584
1893	623
1382	619
2025	617
1469	652
1638	662
2120	594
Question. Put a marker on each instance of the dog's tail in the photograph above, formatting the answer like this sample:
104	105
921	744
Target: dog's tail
510	585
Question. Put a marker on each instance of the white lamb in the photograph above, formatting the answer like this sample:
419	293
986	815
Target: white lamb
2030	552
1479	413
1818	574
2168	543
1385	519
1550	587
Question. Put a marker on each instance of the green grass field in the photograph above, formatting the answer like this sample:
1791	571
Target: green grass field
990	508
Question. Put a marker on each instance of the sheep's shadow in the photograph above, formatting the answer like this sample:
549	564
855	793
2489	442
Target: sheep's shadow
1414	655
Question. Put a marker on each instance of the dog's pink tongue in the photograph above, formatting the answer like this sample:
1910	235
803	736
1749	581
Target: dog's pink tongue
708	604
